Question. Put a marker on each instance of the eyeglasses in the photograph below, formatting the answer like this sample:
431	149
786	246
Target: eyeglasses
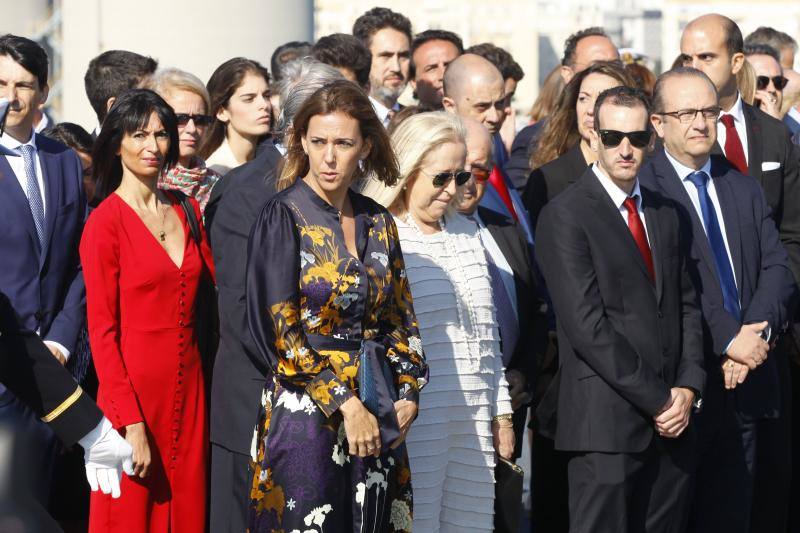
613	138
762	82
443	178
686	116
480	173
199	120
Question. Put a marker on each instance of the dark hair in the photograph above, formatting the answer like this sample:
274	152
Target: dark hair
643	76
26	53
112	73
285	53
561	131
734	41
377	19
622	96
345	51
499	58
571	44
346	97
433	35
762	49
772	37
71	135
658	90
131	111
406	112
221	86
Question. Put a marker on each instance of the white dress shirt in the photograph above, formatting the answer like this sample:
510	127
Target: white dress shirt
737	112
17	164
618	196
382	111
683	173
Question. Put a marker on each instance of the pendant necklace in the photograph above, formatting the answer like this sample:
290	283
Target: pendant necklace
162	234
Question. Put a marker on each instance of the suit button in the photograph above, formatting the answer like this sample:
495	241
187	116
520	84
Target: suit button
660	314
38	315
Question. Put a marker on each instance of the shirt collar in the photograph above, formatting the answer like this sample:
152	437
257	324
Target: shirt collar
683	171
10	143
737	111
381	110
794	114
618	196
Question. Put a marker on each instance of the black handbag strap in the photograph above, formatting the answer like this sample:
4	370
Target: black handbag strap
191	218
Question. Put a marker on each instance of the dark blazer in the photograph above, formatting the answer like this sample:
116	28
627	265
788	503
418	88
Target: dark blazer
623	341
239	370
31	372
45	286
530	306
761	267
547	181
518	166
794	127
768	140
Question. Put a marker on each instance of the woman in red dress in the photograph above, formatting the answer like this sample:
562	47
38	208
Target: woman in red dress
142	269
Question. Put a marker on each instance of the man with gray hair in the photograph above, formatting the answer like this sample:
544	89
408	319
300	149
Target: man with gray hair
239	371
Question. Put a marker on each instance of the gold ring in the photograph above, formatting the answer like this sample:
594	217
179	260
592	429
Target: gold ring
730	365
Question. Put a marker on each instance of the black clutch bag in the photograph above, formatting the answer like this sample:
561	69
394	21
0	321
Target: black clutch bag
507	496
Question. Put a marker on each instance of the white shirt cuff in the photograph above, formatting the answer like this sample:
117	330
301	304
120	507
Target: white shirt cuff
64	351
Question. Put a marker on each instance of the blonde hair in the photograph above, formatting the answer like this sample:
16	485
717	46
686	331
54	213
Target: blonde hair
166	80
412	141
746	82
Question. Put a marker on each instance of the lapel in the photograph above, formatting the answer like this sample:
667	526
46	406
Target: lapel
15	201
656	242
502	232
730	214
608	215
754	140
52	190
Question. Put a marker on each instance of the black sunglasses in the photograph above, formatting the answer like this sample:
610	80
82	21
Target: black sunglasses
199	120
443	178
612	138
762	82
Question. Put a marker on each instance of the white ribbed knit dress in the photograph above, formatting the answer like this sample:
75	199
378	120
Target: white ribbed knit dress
450	443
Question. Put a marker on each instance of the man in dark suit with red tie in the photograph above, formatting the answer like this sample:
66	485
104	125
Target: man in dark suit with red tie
760	146
742	274
629	335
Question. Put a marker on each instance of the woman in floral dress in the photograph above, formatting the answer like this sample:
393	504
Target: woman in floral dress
326	291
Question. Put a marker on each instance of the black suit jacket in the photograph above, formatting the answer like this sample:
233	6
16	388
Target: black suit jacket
624	342
769	140
239	370
761	267
547	181
31	372
518	166
530	306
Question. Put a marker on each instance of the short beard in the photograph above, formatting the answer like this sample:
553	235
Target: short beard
385	94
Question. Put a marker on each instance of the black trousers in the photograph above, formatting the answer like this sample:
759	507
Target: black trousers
549	492
230	490
723	489
631	492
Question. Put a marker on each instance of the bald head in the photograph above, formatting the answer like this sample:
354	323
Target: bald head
474	88
479	162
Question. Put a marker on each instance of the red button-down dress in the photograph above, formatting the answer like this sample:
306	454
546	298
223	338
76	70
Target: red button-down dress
140	307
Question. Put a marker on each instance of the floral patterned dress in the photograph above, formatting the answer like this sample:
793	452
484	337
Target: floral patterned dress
312	306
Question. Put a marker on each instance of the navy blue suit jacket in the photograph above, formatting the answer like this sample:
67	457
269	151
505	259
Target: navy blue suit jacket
761	267
45	284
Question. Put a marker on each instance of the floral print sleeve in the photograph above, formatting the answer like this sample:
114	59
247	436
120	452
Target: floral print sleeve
398	323
276	267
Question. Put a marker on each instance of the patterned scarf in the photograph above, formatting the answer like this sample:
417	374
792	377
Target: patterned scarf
196	181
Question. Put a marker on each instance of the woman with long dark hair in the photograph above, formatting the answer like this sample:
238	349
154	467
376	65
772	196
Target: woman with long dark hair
330	309
240	104
142	269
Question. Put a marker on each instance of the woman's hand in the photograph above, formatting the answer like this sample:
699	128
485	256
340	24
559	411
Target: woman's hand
406	413
136	435
503	438
361	428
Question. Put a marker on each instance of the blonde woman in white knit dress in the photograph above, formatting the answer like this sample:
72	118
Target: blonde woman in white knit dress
465	411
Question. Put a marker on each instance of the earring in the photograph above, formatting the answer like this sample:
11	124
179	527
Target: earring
361	165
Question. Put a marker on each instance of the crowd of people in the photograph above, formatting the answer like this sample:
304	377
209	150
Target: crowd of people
302	306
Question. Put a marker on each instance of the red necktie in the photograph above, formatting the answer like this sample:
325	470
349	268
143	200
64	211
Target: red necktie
733	145
499	184
637	229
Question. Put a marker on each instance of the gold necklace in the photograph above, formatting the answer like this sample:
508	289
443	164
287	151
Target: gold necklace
162	234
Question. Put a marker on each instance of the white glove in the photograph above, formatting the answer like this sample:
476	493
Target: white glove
106	455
